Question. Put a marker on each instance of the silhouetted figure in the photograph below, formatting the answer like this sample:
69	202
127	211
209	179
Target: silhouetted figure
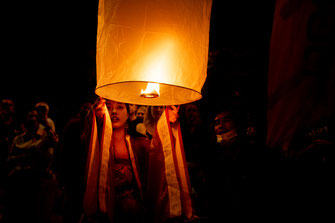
133	121
43	115
72	161
195	138
229	163
141	112
9	128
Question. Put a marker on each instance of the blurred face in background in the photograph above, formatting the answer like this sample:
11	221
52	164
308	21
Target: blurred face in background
42	112
141	112
157	111
192	113
132	109
32	123
224	122
84	109
42	108
7	105
6	109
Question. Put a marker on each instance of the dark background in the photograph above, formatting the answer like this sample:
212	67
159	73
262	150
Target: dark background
48	53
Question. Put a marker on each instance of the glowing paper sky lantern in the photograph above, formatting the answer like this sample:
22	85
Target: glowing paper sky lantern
163	42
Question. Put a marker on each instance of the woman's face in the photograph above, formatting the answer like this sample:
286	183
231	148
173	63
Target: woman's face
118	113
31	121
192	113
157	111
141	112
132	108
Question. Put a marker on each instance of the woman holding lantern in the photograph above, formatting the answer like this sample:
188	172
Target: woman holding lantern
114	190
161	45
117	168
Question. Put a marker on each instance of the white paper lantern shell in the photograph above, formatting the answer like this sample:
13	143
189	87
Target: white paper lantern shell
157	41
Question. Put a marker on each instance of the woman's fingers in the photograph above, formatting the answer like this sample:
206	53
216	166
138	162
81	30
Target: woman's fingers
99	109
173	113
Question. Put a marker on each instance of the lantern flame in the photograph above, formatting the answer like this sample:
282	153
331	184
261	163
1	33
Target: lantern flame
152	91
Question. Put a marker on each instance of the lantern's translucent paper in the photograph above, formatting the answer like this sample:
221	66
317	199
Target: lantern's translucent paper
159	41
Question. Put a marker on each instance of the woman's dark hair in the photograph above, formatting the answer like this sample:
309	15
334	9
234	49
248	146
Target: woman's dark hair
98	99
127	106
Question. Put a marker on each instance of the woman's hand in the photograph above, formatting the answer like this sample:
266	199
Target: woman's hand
99	108
173	113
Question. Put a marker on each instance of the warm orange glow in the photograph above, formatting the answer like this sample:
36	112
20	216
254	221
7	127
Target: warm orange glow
159	62
164	42
152	91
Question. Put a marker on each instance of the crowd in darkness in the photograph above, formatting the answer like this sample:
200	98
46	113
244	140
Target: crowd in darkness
232	172
43	164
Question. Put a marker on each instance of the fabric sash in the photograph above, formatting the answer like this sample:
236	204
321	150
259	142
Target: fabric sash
106	139
97	166
176	173
92	171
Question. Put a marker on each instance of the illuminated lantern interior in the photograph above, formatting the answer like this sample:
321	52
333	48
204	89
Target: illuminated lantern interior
152	91
160	42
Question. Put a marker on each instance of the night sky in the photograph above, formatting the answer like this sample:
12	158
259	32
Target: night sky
49	53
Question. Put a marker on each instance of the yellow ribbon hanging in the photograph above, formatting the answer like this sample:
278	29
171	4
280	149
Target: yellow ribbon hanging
176	172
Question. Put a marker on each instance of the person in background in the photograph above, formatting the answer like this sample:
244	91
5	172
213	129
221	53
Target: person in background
132	112
43	115
9	128
141	112
147	128
133	121
195	138
230	164
32	185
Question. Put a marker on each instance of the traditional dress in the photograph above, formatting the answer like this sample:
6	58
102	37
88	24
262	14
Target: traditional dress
153	182
114	186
